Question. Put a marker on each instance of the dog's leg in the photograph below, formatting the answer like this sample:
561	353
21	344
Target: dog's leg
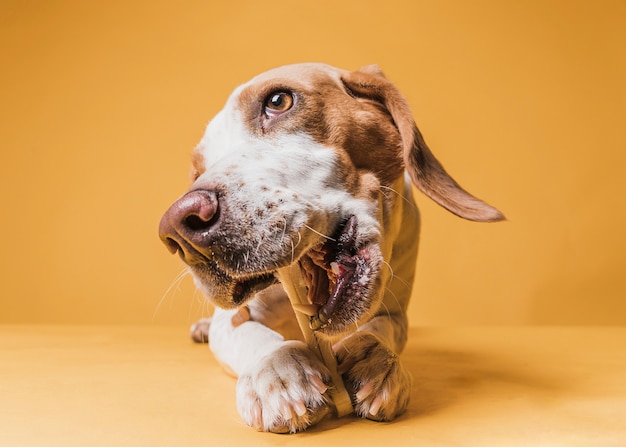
199	331
369	362
281	384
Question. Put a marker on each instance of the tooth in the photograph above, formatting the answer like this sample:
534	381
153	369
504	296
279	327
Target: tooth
307	309
334	267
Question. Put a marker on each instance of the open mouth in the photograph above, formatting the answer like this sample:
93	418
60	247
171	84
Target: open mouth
228	291
244	289
337	274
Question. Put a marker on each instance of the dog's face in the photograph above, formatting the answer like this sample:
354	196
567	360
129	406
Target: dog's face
298	168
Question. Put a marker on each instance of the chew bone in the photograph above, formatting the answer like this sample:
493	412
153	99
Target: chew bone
298	296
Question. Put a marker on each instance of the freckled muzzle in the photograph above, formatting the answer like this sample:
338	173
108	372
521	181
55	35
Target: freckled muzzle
191	228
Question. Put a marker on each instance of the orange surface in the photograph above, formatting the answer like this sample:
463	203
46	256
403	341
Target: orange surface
111	386
524	103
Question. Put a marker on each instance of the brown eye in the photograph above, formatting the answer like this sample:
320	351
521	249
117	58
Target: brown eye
278	102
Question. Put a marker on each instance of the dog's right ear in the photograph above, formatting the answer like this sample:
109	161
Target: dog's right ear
425	170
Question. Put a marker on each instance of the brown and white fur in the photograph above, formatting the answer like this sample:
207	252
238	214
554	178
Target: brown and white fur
309	168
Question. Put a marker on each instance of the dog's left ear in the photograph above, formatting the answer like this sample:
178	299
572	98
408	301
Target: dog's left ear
425	170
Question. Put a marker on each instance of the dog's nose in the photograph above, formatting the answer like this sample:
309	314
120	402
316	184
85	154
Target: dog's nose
185	226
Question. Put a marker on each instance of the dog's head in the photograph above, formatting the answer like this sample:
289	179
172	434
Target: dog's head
299	169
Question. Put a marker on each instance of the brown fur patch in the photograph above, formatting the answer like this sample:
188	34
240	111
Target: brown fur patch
360	128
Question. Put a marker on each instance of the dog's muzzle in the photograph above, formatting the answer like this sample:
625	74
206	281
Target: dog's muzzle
192	227
340	273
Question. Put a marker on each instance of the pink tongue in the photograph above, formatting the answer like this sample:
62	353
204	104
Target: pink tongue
342	282
346	267
344	276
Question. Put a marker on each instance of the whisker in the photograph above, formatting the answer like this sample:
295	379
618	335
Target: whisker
293	247
404	282
175	283
388	265
393	277
395	298
282	236
383	305
321	234
206	308
405	199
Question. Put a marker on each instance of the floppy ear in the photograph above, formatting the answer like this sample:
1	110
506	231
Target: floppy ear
425	170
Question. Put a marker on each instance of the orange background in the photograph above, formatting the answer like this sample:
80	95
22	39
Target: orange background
523	102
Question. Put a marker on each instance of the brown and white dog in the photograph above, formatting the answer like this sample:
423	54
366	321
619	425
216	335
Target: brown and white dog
305	176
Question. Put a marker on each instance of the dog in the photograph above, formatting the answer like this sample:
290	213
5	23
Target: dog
305	176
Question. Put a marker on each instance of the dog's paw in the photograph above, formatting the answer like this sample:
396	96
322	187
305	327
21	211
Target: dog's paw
379	384
199	331
284	391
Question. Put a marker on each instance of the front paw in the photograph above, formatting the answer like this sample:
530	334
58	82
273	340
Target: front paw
379	384
284	391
